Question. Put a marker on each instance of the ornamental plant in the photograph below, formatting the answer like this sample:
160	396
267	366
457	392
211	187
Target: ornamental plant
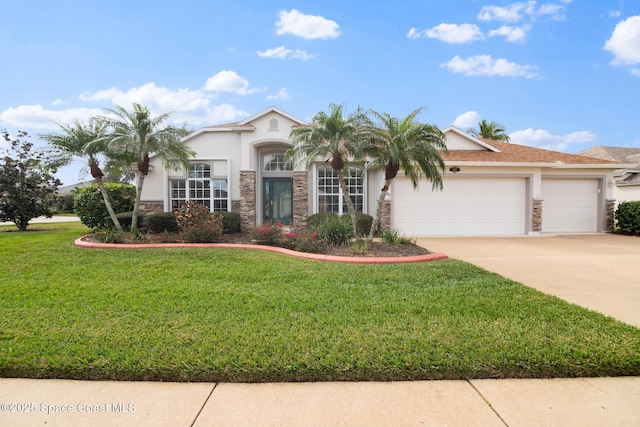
304	241
197	225
270	234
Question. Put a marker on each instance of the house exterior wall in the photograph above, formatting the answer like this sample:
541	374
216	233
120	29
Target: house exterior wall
626	193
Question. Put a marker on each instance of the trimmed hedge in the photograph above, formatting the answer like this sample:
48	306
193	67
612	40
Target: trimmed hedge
161	222
90	208
125	218
363	223
628	217
318	218
230	221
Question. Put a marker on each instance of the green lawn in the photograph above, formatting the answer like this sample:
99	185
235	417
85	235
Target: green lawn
243	315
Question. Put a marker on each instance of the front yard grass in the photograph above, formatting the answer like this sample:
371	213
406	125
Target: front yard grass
250	316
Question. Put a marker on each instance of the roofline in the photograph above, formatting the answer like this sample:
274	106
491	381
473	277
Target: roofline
470	137
553	165
275	110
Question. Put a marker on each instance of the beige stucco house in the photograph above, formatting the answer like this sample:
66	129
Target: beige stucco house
490	187
626	180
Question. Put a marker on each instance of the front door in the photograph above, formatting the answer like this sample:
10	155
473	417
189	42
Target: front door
277	196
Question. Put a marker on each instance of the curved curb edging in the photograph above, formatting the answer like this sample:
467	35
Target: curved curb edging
318	257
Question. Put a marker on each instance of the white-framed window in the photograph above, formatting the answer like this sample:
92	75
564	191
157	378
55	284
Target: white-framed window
201	188
330	194
276	163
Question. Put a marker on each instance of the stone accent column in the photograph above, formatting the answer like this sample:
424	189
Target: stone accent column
300	199
148	208
235	206
610	215
385	216
247	201
536	220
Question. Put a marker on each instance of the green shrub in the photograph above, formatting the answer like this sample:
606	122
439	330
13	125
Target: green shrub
628	217
318	218
230	221
197	225
124	218
334	230
65	203
90	208
363	223
162	222
303	241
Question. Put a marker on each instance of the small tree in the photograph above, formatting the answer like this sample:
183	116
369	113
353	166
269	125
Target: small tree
492	130
28	189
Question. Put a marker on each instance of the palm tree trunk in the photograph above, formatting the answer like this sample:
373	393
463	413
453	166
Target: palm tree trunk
376	218
107	203
347	200
136	204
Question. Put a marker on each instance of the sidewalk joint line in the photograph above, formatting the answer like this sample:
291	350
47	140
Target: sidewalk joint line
215	385
487	402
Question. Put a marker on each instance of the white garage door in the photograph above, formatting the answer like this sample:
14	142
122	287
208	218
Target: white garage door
466	207
569	205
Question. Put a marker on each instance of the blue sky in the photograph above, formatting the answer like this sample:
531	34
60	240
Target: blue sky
558	74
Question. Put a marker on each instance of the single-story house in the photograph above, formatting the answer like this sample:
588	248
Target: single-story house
627	180
490	187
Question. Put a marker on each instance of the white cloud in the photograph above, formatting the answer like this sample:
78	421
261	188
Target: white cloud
467	120
512	34
306	26
282	52
614	13
515	12
58	102
282	94
625	42
229	81
449	33
510	13
484	65
37	117
635	72
541	138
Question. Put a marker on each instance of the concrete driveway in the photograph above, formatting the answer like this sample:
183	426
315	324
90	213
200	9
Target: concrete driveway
597	271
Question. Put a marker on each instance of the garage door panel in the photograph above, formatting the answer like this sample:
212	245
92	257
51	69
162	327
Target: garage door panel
466	206
569	205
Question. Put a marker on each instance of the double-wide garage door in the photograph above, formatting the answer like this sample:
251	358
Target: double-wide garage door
466	207
493	206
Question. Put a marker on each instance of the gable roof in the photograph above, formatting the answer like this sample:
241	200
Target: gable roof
520	154
616	154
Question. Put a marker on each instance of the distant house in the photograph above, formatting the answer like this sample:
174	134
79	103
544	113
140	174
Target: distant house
67	189
627	180
490	187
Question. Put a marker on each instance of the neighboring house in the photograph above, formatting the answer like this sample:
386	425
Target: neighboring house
490	187
627	181
68	189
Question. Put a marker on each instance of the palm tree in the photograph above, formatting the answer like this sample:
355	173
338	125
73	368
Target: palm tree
75	143
407	145
136	136
492	130
333	137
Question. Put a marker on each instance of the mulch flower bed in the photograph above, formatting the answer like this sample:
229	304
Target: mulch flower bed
376	249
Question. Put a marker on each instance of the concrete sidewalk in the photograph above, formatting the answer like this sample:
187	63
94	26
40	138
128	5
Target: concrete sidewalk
45	220
566	402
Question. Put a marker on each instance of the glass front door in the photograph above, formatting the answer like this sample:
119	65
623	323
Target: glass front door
277	196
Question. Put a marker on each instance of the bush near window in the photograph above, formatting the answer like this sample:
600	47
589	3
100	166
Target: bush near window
269	234
197	225
162	222
274	234
318	218
628	217
230	221
334	230
363	223
89	205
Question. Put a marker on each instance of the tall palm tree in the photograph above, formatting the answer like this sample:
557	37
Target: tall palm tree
407	145
334	137
492	130
74	142
136	136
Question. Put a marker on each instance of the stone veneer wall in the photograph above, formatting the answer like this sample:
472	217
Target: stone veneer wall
536	220
610	218
300	199
235	206
148	208
385	216
247	209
